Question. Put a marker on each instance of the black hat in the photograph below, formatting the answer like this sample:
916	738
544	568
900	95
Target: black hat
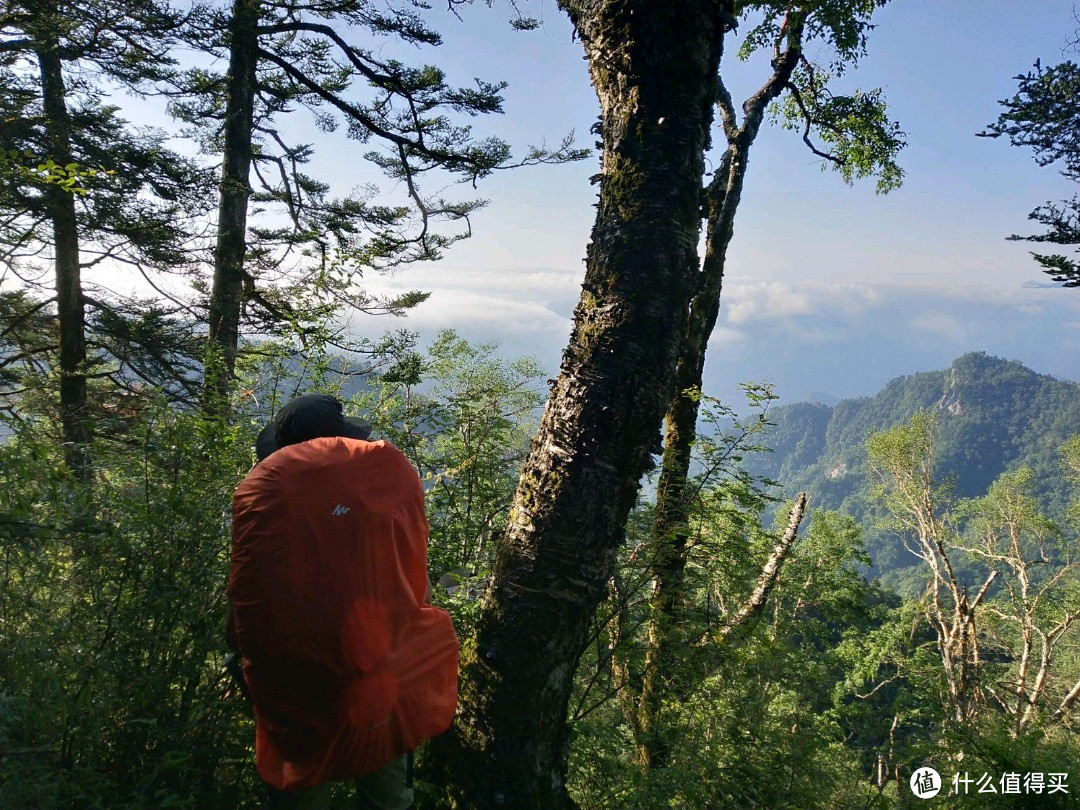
305	417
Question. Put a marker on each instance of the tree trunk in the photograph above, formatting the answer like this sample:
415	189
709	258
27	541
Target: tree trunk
654	66
671	522
69	296
672	517
226	296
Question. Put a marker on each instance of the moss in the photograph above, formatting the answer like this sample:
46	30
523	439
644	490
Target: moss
624	183
594	319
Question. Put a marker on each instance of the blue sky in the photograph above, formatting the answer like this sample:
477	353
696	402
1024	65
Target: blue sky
829	288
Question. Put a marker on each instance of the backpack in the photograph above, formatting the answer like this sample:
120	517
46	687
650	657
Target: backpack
346	665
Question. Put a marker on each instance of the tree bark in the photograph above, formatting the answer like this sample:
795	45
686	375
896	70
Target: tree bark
770	572
226	296
672	516
654	67
71	313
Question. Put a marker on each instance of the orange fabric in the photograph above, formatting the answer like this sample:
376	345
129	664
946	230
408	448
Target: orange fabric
346	666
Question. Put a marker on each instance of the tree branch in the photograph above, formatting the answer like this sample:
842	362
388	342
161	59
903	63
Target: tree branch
783	66
771	570
1067	703
795	94
447	159
24	315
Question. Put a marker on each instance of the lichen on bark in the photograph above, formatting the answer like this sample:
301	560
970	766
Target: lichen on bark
654	66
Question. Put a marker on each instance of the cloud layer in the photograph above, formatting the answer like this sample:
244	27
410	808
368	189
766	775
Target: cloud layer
842	337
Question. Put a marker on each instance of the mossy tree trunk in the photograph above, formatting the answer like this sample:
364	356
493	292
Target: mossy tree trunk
227	293
654	66
671	524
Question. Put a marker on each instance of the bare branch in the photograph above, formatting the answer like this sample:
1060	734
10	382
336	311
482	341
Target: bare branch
982	591
771	570
1067	703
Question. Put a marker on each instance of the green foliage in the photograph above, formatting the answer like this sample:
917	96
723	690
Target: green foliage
1063	220
129	201
746	705
992	416
138	197
134	346
112	692
464	417
837	674
753	725
972	671
841	25
862	141
1043	115
69	177
112	607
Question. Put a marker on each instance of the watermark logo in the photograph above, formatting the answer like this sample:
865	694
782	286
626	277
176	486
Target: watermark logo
1011	783
925	783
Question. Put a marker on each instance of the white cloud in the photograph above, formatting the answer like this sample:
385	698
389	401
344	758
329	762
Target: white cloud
778	300
823	310
768	301
455	308
838	335
939	323
536	302
725	336
1024	298
556	287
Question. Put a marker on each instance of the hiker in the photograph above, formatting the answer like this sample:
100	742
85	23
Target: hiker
347	664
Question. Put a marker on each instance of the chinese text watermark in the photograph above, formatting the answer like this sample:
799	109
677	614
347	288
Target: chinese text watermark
927	783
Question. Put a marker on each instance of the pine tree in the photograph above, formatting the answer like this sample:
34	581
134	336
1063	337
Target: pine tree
320	56
1044	115
83	187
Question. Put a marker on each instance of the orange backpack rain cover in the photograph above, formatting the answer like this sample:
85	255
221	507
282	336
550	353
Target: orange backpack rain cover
347	667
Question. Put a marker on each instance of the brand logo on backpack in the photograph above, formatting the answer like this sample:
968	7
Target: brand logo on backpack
340	510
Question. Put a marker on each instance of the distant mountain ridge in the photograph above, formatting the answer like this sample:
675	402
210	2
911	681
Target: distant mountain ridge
994	415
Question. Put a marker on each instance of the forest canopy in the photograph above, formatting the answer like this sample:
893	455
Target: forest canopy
663	600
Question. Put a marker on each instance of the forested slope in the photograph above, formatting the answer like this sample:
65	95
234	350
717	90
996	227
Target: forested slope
993	415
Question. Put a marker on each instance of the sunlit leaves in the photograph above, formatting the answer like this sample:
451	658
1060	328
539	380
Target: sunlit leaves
841	25
864	142
857	137
69	177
